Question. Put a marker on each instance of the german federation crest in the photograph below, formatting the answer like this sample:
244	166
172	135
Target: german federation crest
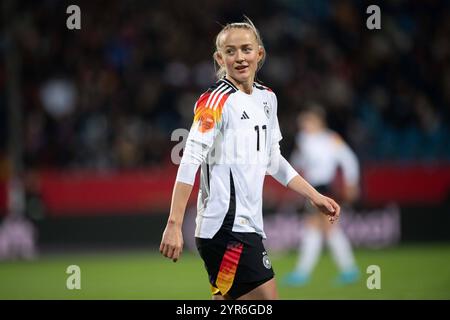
266	261
267	109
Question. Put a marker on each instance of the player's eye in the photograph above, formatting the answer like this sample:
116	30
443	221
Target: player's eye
229	51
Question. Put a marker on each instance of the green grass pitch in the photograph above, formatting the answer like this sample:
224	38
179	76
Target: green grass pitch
407	272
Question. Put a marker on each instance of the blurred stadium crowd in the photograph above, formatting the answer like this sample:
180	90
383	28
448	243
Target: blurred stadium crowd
109	95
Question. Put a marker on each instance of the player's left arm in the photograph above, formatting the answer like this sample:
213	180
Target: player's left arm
284	173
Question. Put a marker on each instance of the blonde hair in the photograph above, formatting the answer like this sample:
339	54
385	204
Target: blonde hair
246	24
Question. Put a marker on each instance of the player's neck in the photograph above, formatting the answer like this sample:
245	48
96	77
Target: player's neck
246	86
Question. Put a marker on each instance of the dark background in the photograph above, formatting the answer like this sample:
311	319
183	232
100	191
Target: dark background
98	105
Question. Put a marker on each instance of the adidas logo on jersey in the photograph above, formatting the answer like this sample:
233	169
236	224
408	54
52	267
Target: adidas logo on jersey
244	116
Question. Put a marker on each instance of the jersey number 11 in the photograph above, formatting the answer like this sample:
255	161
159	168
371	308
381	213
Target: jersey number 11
264	127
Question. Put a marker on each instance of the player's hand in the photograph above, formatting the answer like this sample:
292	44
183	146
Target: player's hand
172	242
327	206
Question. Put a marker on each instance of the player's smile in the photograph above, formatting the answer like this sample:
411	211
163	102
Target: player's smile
242	68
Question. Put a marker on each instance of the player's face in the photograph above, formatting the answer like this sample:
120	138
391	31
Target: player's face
240	54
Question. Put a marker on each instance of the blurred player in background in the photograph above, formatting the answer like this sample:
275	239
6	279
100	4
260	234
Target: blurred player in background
235	139
318	155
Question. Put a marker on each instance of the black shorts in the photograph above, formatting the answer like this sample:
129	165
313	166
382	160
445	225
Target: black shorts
236	262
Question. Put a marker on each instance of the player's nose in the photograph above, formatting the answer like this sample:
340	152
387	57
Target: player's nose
239	56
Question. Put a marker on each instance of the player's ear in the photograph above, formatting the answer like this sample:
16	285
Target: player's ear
219	59
261	53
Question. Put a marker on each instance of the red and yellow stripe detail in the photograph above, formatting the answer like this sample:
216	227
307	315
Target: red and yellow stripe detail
228	267
208	109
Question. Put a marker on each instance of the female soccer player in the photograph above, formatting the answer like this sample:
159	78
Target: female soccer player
235	139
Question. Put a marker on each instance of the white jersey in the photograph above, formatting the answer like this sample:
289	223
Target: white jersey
319	155
238	131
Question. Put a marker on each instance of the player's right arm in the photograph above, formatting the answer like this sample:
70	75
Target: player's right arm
172	239
205	128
